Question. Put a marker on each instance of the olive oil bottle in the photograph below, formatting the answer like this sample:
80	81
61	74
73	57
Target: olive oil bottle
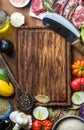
4	22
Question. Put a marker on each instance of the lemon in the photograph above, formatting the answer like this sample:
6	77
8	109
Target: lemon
6	89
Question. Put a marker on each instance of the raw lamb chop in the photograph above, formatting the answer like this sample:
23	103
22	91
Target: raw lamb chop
70	8
59	5
78	17
82	2
37	7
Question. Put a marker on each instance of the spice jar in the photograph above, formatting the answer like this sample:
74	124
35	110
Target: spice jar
4	22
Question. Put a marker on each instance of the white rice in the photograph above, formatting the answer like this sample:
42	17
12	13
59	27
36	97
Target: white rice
71	124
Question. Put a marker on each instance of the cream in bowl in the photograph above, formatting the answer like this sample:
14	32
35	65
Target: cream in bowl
19	3
69	123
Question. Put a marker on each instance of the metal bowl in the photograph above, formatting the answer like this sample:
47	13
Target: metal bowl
5	124
64	119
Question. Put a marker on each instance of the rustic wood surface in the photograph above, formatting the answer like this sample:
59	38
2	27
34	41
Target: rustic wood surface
30	58
44	60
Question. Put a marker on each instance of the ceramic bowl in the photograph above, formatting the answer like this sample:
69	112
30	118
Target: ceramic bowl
19	3
6	115
64	119
5	124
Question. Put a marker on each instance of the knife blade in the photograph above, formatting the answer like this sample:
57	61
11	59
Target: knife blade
65	28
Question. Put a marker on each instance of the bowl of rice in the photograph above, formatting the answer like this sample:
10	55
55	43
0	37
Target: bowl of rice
19	3
69	123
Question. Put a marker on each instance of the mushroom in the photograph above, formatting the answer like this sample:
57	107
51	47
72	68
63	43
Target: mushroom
21	120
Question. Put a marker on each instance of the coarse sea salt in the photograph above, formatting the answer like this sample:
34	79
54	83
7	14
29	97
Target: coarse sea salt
19	2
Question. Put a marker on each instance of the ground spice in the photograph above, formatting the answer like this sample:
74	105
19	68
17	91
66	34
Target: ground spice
4	106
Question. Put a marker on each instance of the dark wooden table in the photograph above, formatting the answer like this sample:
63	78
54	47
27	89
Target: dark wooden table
26	37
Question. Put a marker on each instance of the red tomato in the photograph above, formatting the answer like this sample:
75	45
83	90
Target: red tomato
78	84
42	125
47	124
36	125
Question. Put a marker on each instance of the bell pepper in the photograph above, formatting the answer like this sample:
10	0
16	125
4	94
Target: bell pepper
78	68
42	125
78	84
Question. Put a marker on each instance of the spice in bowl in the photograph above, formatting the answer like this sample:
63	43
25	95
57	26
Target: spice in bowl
19	3
5	107
25	101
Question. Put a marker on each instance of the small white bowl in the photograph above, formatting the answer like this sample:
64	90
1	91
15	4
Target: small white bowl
19	3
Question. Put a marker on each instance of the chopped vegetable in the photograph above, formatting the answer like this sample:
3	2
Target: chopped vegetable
78	84
82	33
81	111
78	68
48	5
42	98
78	98
40	113
17	19
42	125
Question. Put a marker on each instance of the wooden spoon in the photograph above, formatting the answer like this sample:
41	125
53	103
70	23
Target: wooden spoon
24	100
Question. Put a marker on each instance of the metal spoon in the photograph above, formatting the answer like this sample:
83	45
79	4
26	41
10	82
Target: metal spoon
24	100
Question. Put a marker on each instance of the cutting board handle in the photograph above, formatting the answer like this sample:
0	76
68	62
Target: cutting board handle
79	46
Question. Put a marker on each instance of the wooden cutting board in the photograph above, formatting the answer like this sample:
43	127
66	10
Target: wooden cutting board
44	61
41	60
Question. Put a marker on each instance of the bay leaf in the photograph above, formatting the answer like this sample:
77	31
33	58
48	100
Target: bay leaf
74	107
71	112
53	115
42	99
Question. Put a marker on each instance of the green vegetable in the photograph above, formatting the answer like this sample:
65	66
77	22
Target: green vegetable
82	33
48	5
4	75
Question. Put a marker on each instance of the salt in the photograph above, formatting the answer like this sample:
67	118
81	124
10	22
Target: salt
19	2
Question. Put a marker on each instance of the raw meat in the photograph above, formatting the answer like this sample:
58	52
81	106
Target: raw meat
59	5
37	7
70	8
82	2
78	16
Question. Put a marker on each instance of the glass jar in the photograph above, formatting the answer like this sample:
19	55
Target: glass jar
4	22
